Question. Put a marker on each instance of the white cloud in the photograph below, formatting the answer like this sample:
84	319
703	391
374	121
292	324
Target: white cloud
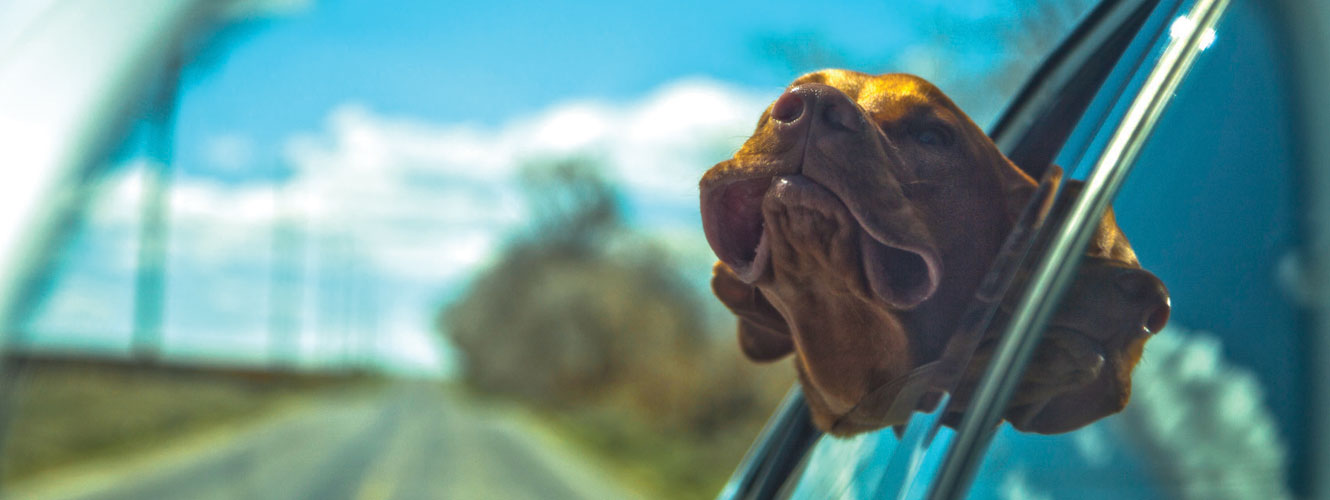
446	190
229	152
1203	421
1093	445
1015	486
656	147
414	207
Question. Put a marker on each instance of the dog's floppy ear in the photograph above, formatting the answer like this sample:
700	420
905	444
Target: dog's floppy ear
763	333
1016	186
1108	241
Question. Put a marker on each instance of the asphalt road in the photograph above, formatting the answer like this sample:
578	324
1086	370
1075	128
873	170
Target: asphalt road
406	442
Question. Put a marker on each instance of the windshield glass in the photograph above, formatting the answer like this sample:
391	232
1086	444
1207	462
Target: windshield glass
350	247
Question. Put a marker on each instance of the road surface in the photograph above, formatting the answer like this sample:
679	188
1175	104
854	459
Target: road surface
407	441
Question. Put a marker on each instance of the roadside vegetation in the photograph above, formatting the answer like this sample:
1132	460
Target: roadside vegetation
60	412
592	324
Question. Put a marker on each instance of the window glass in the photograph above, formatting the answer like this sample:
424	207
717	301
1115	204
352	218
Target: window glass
1210	208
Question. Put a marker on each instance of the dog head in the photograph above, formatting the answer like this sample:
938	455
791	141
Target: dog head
853	228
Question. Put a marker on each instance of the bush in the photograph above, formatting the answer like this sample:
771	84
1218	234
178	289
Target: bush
594	324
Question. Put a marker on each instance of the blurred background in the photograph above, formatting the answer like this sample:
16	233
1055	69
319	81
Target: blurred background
356	249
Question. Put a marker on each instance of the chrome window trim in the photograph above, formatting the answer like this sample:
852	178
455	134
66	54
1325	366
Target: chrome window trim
779	447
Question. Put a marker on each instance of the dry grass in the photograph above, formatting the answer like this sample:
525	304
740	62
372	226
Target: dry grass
64	412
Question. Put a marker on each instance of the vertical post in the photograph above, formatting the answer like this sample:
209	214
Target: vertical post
286	284
1305	25
150	280
1309	46
351	296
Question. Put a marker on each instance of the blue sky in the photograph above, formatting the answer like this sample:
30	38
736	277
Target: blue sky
484	63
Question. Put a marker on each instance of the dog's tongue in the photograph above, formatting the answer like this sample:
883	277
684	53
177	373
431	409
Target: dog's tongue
732	222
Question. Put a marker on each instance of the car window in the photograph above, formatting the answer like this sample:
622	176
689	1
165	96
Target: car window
1205	359
1033	128
407	250
1244	227
1200	219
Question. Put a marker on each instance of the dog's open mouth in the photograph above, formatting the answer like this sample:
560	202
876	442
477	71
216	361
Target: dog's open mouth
735	227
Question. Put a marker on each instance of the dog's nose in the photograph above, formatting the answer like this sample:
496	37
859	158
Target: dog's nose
823	104
788	108
1145	289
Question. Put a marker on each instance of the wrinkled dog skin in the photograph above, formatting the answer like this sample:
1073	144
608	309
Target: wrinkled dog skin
853	228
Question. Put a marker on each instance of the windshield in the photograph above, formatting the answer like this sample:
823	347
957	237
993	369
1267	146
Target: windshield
329	247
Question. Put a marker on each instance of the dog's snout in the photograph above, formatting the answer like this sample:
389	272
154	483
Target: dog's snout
1145	289
815	101
1138	284
1156	318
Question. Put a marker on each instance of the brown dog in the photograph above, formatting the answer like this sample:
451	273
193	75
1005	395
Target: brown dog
853	228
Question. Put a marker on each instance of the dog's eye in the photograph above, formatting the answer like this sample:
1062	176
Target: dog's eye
932	136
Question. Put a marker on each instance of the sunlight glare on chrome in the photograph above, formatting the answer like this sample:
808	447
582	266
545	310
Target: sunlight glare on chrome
1183	26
